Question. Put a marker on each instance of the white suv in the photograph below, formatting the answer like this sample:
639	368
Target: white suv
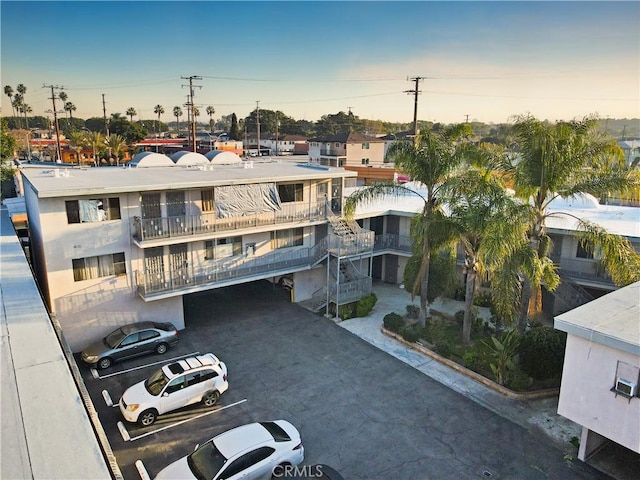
176	385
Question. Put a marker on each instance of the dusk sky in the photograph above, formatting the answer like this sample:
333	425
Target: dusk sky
487	60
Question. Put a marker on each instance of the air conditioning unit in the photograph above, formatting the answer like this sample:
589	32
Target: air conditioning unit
626	387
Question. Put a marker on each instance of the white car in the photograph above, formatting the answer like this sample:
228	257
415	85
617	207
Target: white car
253	451
195	379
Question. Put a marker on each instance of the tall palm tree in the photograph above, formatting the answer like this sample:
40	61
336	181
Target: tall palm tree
69	107
210	112
131	112
26	109
18	100
77	141
177	112
63	97
8	91
196	114
562	160
116	145
96	141
431	159
158	110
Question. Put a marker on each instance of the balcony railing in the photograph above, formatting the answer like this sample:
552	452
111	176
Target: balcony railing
392	241
185	225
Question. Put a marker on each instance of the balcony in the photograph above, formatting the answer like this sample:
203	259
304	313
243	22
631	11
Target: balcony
145	229
392	242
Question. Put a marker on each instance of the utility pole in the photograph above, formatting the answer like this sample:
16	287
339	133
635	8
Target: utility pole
191	106
466	118
624	132
276	133
415	92
104	115
55	119
258	124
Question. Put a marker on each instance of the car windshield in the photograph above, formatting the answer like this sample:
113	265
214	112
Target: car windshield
206	461
114	338
156	382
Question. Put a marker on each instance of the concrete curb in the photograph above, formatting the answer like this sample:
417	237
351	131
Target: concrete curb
553	392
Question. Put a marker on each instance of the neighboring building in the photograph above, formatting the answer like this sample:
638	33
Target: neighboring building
286	145
347	150
601	373
116	245
631	149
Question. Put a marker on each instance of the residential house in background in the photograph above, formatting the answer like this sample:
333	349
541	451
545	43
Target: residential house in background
601	373
347	150
286	145
631	149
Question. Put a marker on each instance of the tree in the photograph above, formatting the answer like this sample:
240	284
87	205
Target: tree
96	141
177	112
116	146
562	160
210	112
70	108
196	114
63	97
158	110
8	91
17	106
77	141
131	112
430	160
7	141
234	132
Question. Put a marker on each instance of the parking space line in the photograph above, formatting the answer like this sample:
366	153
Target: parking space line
147	365
123	432
181	422
107	398
144	475
94	373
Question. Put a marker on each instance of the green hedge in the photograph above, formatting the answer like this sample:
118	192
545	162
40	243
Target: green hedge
541	352
393	322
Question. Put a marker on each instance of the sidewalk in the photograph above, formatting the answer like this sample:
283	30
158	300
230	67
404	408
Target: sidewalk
533	415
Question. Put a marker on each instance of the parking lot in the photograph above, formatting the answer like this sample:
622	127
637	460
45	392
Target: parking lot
358	409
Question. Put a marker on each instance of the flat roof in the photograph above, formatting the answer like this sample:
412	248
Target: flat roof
100	180
612	320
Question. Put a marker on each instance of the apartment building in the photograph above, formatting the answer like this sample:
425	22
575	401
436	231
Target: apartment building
347	150
116	245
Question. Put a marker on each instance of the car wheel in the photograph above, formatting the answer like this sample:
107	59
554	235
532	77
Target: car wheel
278	470
147	418
210	398
104	363
162	348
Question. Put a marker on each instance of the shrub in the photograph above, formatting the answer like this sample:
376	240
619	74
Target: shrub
413	311
541	352
410	334
436	331
459	316
443	348
393	322
365	305
519	381
502	354
471	359
346	311
482	300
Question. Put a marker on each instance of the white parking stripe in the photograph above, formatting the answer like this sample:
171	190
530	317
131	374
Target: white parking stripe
144	475
184	421
148	365
94	373
123	432
107	398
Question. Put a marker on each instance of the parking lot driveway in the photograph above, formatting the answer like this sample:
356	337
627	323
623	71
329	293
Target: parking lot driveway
358	409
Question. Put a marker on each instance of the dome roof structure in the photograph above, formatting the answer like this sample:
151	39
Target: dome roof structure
221	157
150	159
185	158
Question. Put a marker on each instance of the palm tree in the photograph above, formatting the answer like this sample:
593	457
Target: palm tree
158	110
77	141
562	160
70	108
210	112
431	159
96	141
17	106
131	112
63	97
8	91
26	109
177	112
116	145
196	114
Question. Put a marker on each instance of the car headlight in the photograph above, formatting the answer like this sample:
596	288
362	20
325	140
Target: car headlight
90	358
133	407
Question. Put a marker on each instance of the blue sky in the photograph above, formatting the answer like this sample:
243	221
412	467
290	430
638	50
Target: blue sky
487	60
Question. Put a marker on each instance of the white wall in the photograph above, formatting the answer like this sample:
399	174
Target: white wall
307	282
585	397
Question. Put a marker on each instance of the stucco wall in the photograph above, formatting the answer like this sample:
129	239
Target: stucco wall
585	396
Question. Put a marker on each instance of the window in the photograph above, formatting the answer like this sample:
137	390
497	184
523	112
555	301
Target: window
207	200
93	210
193	378
585	250
365	161
365	146
287	238
130	339
148	335
209	374
290	192
100	266
175	385
223	248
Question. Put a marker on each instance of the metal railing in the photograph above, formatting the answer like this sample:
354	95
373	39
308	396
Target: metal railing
185	225
392	241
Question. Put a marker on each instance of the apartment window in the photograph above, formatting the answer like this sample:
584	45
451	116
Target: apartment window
223	248
365	161
100	266
365	146
338	144
287	238
585	250
290	192
207	200
93	210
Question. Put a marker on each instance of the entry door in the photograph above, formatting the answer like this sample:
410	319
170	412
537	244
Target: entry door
179	264
176	211
154	268
150	205
391	269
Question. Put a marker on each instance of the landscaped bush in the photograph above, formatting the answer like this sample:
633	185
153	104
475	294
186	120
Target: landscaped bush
444	348
413	311
410	334
393	322
346	312
482	300
365	305
541	352
471	359
459	316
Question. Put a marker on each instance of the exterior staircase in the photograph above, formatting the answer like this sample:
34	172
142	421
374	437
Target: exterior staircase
570	295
